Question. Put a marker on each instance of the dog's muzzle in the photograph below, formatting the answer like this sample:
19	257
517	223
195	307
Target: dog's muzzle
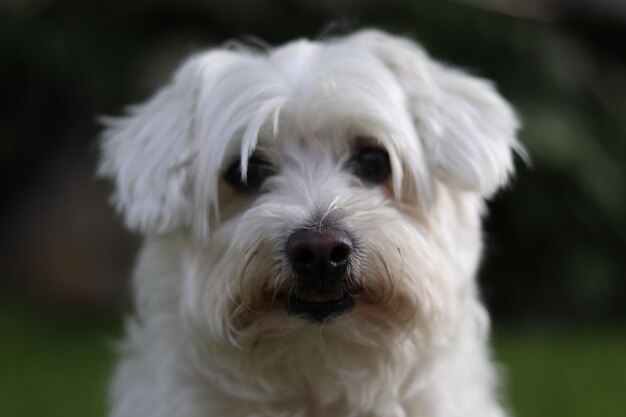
320	260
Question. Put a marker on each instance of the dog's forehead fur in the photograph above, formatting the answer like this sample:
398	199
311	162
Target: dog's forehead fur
338	92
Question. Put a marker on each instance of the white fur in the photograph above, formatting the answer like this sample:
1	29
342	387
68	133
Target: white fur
206	340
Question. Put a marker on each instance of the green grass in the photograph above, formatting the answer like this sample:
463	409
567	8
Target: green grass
568	373
57	366
53	365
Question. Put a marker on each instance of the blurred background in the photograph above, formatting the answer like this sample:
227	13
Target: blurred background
554	275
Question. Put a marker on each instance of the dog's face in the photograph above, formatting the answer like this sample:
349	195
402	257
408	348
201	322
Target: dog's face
337	182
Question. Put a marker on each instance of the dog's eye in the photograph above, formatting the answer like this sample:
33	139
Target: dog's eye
371	164
259	170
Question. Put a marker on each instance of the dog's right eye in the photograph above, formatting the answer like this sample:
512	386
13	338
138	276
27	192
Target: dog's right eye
259	170
371	164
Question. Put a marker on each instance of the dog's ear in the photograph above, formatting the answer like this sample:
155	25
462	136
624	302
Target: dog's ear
468	130
149	154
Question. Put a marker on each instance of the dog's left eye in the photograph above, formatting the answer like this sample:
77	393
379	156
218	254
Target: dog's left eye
371	164
258	171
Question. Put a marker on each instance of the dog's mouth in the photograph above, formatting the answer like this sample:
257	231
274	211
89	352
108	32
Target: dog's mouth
321	305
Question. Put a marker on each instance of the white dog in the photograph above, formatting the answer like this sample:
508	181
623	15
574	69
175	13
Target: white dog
312	221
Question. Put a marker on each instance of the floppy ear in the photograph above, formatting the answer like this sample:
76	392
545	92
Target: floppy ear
149	154
468	130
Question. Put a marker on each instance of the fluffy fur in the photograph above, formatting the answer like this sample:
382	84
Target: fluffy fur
211	335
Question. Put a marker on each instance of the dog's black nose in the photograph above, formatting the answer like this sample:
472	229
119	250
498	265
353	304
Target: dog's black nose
319	255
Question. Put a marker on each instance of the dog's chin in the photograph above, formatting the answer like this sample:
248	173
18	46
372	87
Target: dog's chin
366	315
320	306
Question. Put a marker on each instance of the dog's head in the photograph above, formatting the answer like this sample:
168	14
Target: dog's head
320	182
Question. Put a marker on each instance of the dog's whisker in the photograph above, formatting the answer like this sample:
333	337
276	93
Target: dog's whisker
331	207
